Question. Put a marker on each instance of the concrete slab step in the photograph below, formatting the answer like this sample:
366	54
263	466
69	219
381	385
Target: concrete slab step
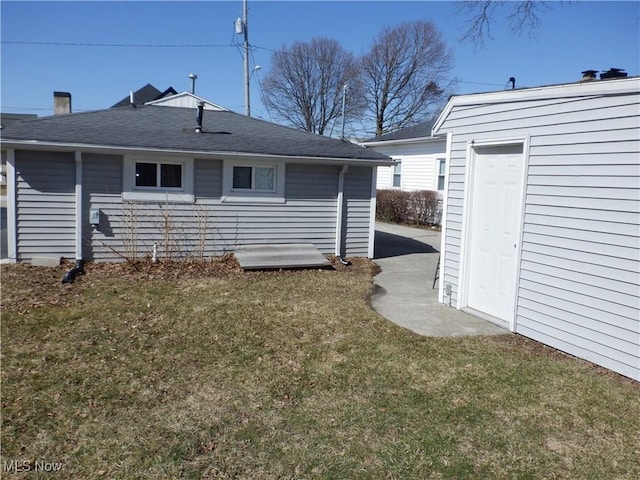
283	255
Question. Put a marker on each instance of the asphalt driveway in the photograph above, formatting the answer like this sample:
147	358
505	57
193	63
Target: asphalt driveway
408	258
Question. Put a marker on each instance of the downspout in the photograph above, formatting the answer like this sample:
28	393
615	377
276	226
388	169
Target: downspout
372	212
78	157
70	276
12	214
340	212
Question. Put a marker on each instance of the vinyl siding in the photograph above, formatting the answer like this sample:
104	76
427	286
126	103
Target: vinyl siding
357	199
580	253
46	202
102	189
209	226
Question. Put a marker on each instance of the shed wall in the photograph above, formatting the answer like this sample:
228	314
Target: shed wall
580	254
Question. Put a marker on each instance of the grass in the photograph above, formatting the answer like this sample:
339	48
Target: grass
286	375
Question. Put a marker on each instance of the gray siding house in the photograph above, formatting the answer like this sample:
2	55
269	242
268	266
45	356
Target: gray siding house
112	184
541	228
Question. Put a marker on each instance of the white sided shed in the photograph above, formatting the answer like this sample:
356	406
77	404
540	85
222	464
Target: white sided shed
541	228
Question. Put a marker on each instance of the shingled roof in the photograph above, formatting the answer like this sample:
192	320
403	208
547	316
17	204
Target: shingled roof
421	130
159	128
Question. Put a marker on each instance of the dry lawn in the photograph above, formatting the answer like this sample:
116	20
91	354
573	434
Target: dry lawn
207	372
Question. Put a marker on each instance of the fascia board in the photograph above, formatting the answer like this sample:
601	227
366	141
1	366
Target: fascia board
596	87
404	141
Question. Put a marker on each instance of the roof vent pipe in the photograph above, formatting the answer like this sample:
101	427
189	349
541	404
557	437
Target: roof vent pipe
199	117
193	78
613	73
588	75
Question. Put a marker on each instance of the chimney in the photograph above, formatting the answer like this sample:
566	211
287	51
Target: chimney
61	103
613	73
199	117
588	75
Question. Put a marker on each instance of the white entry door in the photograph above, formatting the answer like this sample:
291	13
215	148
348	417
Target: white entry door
495	222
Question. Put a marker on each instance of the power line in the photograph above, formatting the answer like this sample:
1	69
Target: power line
121	45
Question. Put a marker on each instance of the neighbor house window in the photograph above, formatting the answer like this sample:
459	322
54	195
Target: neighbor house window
442	165
158	178
397	174
158	175
254	178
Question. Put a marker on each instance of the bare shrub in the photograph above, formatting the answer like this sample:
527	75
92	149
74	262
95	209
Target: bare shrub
422	207
391	206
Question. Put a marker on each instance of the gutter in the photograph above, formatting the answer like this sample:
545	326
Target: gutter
113	149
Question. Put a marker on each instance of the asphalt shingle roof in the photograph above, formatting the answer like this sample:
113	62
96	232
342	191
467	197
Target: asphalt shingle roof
417	131
172	128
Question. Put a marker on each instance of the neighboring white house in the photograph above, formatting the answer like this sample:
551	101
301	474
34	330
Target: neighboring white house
420	159
541	227
185	100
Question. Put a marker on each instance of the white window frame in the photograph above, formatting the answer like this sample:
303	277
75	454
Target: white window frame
441	162
252	195
398	165
253	179
131	192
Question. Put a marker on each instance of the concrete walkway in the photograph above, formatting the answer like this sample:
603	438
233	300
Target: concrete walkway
408	259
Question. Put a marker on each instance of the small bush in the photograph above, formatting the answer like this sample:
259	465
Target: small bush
422	207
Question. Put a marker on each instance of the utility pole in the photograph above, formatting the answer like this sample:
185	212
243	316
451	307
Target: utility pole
344	102
247	102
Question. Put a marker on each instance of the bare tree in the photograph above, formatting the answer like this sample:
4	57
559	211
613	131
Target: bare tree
405	74
523	16
305	84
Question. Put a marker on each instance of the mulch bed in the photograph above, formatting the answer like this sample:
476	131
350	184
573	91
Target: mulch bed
26	287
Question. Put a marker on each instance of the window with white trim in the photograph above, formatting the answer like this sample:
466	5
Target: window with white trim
158	175
253	178
150	178
442	166
397	174
253	181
